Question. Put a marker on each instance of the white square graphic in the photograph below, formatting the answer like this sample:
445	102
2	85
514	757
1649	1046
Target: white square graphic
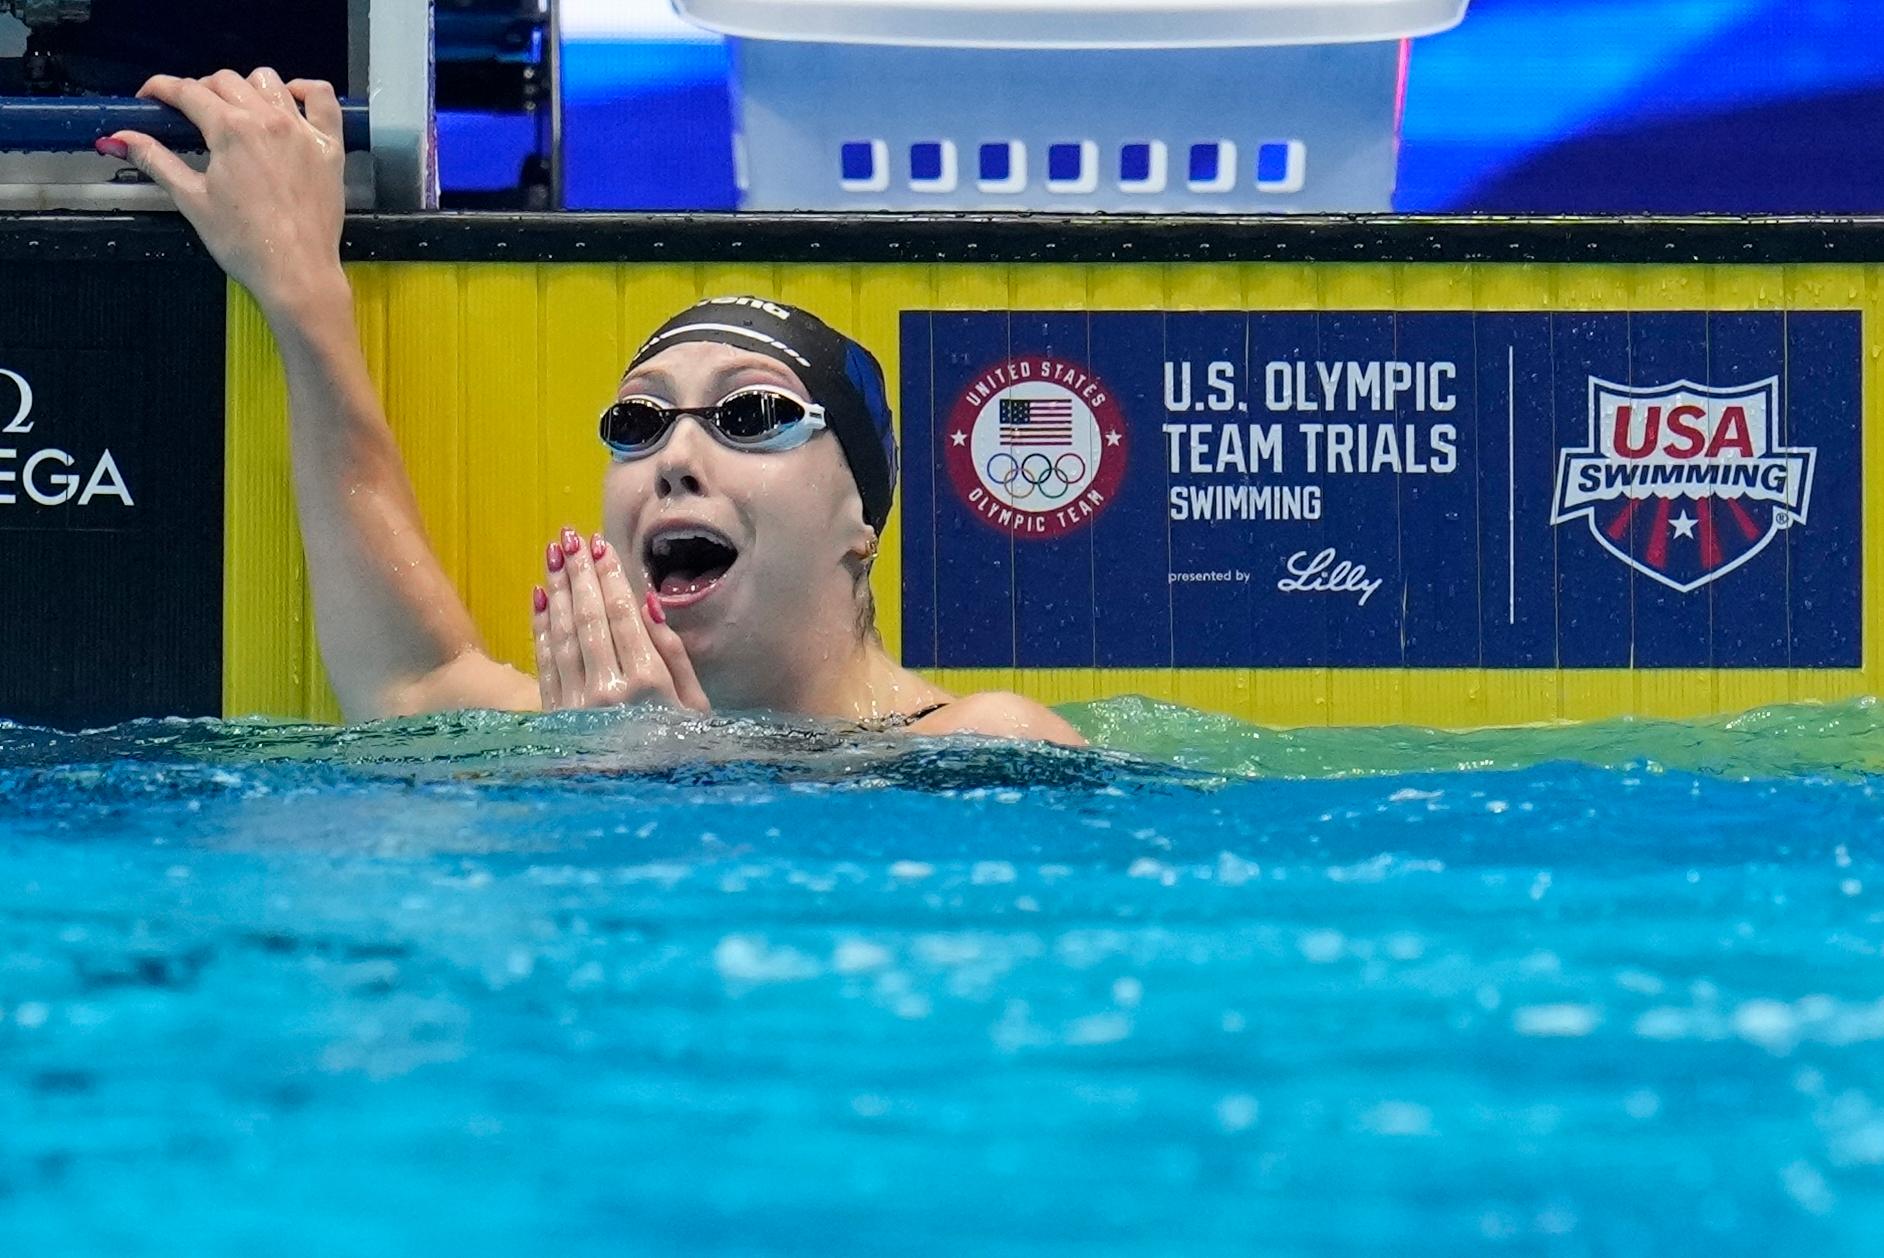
879	177
1226	171
1016	180
1295	173
944	181
1088	178
1157	173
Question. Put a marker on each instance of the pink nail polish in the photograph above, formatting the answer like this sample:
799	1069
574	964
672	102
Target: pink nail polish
656	612
554	557
109	147
539	599
571	543
597	547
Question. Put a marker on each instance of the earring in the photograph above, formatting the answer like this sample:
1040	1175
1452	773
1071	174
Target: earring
870	556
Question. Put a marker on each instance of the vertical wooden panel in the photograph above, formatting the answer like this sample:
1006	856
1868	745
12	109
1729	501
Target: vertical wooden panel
503	464
1872	346
1129	286
1735	287
1363	694
1440	696
1517	695
734	279
423	379
1671	692
1590	693
880	295
827	292
1052	287
648	296
266	617
1287	696
581	357
1208	287
1835	287
960	287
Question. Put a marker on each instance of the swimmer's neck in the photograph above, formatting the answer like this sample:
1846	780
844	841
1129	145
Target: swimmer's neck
859	684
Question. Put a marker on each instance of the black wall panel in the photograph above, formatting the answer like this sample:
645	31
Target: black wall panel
111	491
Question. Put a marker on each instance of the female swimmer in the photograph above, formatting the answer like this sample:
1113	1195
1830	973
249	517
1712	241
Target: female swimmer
752	473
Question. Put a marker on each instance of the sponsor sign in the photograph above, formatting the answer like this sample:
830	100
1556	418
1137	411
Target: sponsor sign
111	401
1712	453
48	476
1365	489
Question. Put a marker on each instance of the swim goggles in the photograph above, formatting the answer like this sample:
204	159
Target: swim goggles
756	418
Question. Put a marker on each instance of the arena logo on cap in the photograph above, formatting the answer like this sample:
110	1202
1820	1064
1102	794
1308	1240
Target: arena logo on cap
754	303
1682	482
1036	446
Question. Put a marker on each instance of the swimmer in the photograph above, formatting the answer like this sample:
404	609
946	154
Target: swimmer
752	471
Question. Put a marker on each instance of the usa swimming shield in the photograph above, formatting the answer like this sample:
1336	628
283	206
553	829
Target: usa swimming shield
1683	482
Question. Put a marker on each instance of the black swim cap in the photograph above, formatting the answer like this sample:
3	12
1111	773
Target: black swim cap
842	376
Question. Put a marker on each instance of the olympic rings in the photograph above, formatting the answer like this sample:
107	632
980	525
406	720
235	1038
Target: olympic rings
1019	479
1038	479
1017	475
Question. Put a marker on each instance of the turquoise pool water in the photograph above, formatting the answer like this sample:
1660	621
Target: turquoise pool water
615	984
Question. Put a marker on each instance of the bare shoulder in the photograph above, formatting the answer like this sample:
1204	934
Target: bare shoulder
470	680
1000	714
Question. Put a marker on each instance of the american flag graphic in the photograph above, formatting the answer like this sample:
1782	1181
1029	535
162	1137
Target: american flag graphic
1036	421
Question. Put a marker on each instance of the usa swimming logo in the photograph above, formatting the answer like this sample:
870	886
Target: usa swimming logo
1682	482
1035	446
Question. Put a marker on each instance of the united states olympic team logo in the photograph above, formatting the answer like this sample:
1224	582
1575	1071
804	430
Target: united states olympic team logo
1036	446
1682	482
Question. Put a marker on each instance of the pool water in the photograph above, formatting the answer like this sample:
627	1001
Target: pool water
620	983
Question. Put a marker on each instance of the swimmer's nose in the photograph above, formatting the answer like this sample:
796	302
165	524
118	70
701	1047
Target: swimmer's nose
675	483
679	472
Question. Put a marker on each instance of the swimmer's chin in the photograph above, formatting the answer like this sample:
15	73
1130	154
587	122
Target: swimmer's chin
709	620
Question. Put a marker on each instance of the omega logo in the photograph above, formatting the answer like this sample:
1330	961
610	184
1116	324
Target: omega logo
47	474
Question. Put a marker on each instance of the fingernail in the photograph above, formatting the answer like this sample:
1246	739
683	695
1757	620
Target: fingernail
554	557
110	147
539	599
597	547
571	543
656	612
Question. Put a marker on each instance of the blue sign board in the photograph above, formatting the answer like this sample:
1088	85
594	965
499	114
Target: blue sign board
1653	489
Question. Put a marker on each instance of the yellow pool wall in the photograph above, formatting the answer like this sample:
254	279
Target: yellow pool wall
492	375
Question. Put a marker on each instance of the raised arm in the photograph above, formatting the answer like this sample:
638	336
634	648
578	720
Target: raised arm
394	633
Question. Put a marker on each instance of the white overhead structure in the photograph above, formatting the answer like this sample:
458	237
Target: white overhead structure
1229	106
626	20
1076	23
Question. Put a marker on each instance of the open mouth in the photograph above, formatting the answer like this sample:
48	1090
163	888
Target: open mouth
684	564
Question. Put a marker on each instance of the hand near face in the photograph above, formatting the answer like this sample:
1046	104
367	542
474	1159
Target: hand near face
270	204
597	645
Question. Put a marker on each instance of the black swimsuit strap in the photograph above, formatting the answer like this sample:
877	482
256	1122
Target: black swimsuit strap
898	720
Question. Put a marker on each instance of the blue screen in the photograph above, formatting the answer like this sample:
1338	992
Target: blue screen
1528	106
